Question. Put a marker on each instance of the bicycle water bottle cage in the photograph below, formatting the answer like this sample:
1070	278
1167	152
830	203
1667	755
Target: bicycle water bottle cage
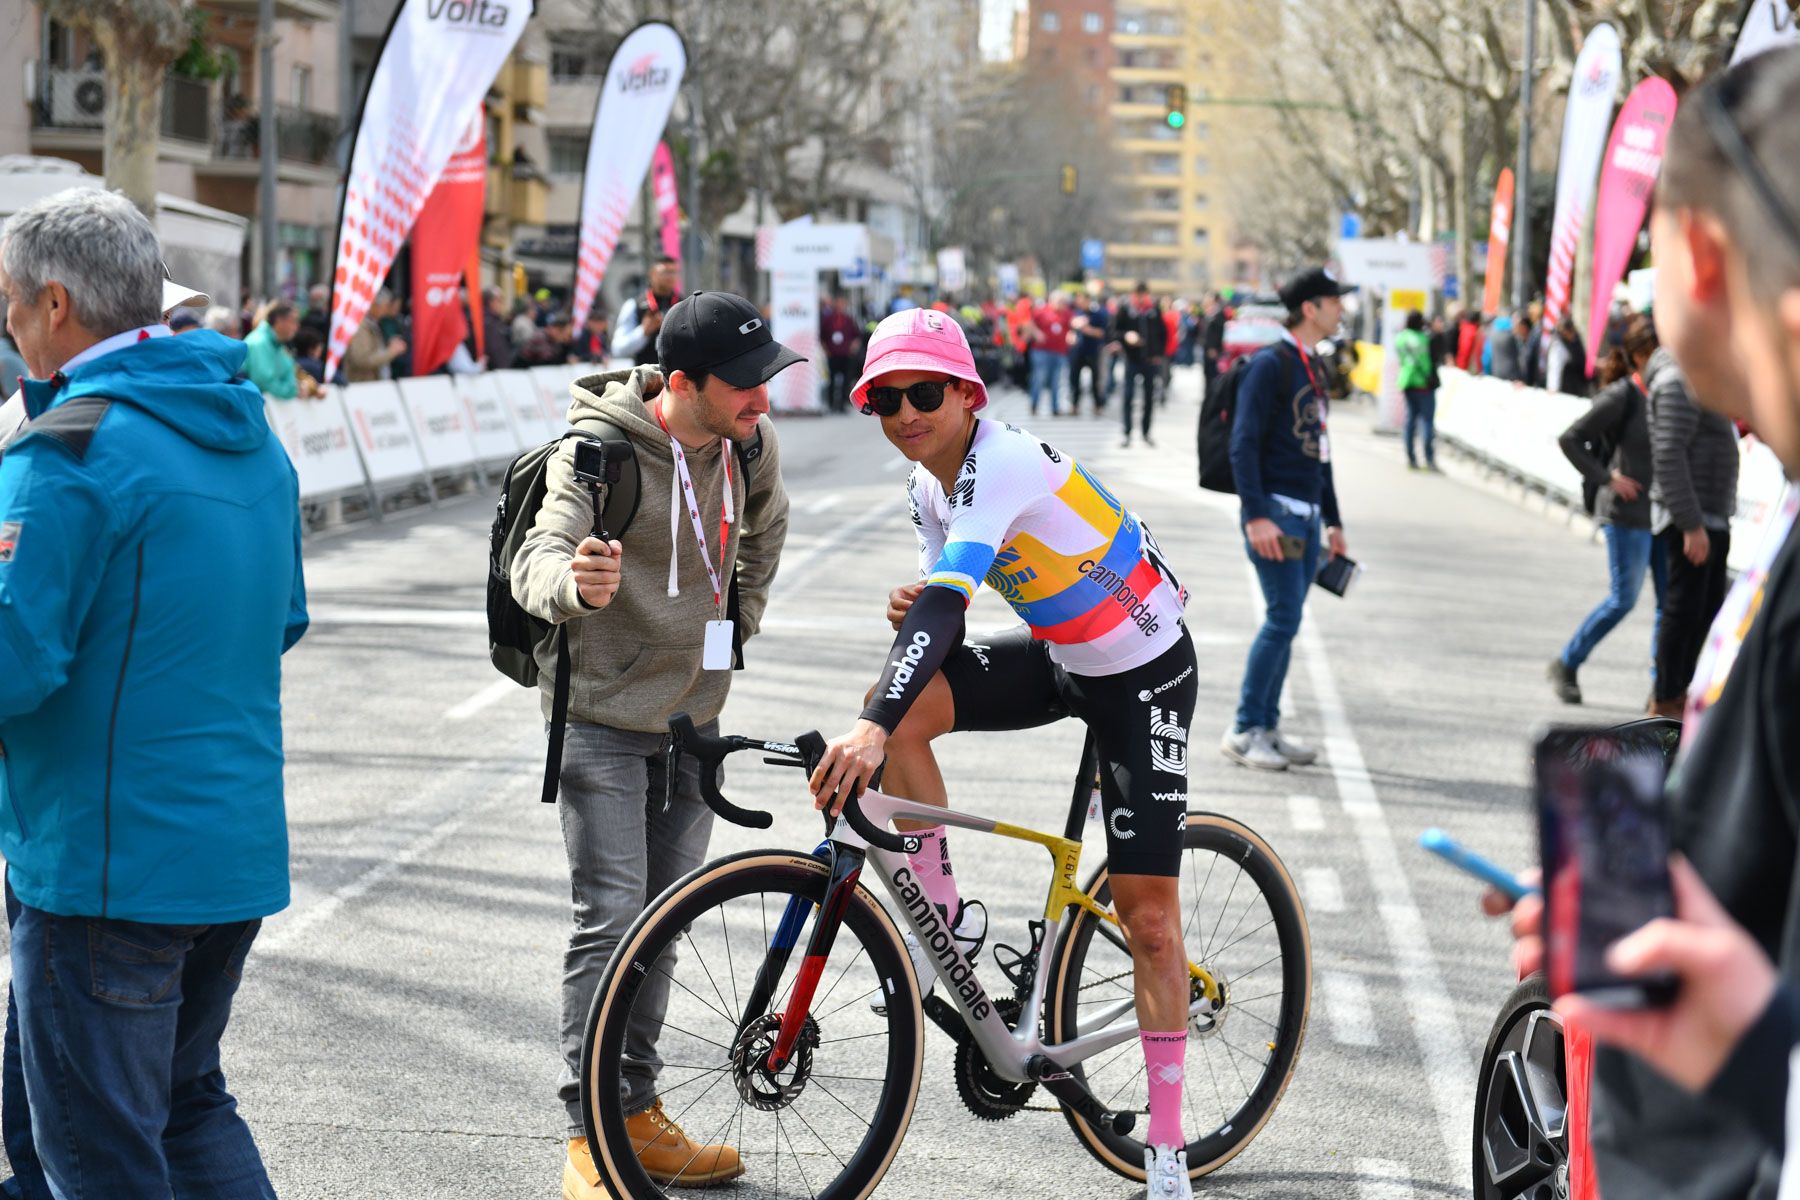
1020	966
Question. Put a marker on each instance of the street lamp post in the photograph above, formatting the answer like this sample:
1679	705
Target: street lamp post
266	149
1521	231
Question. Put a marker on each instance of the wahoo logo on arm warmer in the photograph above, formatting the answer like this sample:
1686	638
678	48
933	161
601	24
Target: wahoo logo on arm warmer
932	629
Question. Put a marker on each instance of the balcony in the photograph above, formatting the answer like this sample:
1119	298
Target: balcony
285	10
70	109
305	143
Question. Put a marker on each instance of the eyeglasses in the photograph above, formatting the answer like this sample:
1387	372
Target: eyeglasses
927	396
1730	139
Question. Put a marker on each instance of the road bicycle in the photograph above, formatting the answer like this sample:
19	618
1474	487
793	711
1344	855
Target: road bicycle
785	1057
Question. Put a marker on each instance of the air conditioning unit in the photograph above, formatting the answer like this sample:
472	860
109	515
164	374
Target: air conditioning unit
78	99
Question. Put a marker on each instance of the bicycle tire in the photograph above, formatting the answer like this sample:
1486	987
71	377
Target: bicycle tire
685	912
1231	841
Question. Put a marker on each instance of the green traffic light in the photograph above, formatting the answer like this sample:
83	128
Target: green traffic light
1177	120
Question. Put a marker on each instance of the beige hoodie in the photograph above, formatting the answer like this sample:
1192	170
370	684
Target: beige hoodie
637	661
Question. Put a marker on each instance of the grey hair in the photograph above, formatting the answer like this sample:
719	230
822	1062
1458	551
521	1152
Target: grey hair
220	319
98	246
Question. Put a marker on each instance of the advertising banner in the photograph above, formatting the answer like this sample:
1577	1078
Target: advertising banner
384	436
316	434
489	426
1768	24
668	205
526	408
1585	122
641	82
794	322
552	385
439	421
1627	178
439	58
445	239
1499	237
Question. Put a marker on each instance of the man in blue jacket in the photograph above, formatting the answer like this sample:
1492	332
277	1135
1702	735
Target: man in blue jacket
1281	459
149	583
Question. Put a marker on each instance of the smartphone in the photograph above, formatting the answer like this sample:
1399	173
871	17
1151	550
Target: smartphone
1293	549
1465	859
1605	847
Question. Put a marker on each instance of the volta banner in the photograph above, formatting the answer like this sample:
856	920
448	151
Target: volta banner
445	241
641	82
437	62
1585	123
1627	177
668	204
1499	237
1768	24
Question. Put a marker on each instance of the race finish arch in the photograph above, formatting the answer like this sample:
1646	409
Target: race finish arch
803	249
1402	271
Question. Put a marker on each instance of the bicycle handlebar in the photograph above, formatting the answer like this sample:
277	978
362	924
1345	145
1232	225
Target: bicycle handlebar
805	751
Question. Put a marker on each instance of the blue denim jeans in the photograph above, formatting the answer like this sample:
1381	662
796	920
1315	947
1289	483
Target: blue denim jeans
1284	587
27	1182
1047	368
1628	553
1421	416
119	1026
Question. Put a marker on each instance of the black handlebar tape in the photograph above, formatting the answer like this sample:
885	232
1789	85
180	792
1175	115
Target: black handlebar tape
711	752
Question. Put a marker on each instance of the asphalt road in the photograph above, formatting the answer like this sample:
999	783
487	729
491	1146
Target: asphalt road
396	1033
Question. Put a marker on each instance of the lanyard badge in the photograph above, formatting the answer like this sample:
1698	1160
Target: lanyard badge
716	652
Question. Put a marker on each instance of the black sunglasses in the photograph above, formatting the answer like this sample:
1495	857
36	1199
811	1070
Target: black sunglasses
1724	129
927	396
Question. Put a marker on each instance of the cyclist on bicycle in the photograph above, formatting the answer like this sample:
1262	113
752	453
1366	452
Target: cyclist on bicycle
1103	640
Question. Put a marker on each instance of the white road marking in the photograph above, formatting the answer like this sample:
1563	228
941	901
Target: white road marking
1382	1179
493	693
1304	814
1347	1008
1320	887
828	500
1448	1071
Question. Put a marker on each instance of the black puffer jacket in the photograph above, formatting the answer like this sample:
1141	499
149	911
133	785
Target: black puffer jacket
1696	454
1620	418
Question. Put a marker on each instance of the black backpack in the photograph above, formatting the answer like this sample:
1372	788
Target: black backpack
514	635
1217	412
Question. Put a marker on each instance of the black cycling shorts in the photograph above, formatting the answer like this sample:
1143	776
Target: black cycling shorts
1140	719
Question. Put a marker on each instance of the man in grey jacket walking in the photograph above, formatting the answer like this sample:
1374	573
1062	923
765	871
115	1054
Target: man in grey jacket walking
1694	494
639	652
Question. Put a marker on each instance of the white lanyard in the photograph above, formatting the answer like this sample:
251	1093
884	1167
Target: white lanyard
1737	614
681	494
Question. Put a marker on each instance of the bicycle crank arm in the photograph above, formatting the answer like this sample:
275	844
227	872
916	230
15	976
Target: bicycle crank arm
944	1015
1073	1095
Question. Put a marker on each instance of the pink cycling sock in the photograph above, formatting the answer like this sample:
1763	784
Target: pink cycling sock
1165	1056
931	867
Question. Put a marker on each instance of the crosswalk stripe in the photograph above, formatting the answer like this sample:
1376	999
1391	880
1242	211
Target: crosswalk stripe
1305	815
1320	887
1382	1179
1347	1008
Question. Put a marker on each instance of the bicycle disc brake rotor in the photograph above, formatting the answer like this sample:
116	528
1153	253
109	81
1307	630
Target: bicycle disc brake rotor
760	1087
987	1095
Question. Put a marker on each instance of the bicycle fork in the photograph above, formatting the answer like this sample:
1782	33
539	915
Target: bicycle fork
846	869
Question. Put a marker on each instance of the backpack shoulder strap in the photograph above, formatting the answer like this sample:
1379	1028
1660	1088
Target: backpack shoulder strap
747	453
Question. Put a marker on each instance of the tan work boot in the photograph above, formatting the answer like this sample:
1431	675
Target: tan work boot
581	1180
669	1156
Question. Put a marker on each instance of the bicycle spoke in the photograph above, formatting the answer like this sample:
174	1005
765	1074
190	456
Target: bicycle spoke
1206	951
857	957
798	1165
1129	1080
852	1000
809	1126
696	995
730	971
866	1123
1252	933
1224	1113
1253	970
670	1091
1261	1064
855	1037
697	1037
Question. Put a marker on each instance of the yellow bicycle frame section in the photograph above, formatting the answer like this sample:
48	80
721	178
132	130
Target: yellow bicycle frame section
1065	859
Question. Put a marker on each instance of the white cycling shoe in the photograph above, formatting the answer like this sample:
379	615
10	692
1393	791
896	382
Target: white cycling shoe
970	931
1167	1174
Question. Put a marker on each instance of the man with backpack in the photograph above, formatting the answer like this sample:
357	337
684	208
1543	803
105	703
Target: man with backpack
1280	463
651	599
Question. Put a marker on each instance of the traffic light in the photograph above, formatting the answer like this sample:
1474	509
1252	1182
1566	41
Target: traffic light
1070	178
1175	100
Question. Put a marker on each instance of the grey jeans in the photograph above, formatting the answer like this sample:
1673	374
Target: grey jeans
624	848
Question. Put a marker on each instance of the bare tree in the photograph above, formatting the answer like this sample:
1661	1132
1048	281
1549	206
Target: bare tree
138	39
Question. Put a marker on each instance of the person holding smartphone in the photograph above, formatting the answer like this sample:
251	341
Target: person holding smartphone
1688	1098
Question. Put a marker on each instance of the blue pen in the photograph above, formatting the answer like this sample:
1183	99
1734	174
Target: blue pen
1458	855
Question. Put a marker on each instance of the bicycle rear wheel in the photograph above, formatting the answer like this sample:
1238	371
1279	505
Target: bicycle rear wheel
678	1001
1242	920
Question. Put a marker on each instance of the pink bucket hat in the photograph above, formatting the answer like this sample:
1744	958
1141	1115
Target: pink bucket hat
919	339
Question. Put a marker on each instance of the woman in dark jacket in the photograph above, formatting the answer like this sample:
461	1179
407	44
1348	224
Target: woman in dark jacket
1620	421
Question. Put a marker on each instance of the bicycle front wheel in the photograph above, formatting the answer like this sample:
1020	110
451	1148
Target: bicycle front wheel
1243	922
690	1007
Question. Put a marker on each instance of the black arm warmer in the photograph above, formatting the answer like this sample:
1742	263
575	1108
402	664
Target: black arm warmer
933	627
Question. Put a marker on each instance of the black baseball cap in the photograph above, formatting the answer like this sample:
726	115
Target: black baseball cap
1314	283
724	335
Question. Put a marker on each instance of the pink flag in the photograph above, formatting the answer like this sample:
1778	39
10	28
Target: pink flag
1627	175
668	209
1590	108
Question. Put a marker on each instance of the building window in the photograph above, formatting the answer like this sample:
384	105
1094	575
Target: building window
1163	164
568	154
300	86
568	64
1052	23
1092	23
1202	200
1129	22
1202	239
1201	165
